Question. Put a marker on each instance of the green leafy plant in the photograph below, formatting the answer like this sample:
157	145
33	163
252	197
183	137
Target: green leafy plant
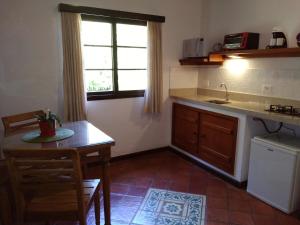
48	117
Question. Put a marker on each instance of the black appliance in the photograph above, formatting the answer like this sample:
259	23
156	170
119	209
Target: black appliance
284	109
241	41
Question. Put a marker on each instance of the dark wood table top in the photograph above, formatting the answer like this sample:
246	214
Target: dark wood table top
86	135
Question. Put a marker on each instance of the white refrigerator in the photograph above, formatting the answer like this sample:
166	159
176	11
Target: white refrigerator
274	171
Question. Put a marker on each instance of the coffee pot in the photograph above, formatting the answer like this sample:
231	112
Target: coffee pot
278	39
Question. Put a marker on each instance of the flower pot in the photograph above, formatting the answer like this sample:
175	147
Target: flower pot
47	128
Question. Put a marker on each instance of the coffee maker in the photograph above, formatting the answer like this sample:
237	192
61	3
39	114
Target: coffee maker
278	39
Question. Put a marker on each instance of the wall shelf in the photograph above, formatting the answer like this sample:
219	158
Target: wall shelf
217	58
261	53
201	61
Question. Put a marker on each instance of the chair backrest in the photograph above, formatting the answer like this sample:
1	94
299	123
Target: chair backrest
44	172
15	123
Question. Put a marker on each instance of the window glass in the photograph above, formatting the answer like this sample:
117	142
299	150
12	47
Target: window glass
98	81
132	58
131	35
114	52
97	57
96	33
132	80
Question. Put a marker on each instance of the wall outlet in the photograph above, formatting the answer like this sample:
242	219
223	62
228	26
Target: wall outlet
267	89
207	84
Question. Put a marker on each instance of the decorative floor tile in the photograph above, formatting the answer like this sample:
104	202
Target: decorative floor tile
163	207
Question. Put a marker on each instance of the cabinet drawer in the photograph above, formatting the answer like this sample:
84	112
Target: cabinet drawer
221	123
186	113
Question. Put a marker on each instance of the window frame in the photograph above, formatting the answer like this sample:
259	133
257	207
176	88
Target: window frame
115	94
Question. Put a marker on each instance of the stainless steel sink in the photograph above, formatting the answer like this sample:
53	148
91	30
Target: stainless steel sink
219	102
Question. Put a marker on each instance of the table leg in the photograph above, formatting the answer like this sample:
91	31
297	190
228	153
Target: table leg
106	192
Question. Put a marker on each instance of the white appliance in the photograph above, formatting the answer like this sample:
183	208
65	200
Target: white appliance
274	171
193	48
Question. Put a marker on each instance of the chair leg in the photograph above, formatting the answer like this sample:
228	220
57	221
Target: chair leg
82	221
97	207
19	217
5	208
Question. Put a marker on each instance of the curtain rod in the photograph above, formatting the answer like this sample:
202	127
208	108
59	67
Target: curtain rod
110	13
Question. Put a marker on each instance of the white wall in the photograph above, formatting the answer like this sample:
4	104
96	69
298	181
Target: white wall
31	65
233	16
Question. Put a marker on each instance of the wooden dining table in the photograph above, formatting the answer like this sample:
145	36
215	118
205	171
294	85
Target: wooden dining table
86	139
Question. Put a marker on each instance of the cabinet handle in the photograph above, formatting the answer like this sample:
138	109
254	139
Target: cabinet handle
270	150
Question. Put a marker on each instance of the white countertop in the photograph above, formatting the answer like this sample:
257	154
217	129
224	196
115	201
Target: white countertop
250	108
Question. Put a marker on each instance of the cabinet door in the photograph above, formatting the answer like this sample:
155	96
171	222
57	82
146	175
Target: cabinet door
185	128
217	140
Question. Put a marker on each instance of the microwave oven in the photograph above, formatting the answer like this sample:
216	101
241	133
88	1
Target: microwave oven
193	48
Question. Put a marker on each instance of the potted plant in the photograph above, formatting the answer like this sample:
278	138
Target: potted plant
47	123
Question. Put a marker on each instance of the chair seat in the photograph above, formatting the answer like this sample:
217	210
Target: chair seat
62	201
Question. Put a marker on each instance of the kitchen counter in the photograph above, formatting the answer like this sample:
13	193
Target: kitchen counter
251	108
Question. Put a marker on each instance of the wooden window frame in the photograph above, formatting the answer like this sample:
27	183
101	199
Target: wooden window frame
110	13
116	93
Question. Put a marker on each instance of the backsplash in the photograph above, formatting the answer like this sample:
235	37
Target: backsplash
282	75
268	77
183	77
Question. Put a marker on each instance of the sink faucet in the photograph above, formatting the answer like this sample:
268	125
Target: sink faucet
227	95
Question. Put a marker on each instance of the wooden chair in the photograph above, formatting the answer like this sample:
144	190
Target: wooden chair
48	186
20	122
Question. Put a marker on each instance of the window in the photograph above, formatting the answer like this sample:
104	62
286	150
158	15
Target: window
115	57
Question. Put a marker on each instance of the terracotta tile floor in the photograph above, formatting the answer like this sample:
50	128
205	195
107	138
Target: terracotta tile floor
226	204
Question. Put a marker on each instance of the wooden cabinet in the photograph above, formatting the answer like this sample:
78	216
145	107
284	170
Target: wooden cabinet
207	135
217	144
185	128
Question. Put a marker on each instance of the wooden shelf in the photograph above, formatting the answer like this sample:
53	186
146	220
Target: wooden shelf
201	61
261	53
216	58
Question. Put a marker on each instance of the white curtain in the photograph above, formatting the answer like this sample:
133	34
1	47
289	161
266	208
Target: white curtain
74	94
153	93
